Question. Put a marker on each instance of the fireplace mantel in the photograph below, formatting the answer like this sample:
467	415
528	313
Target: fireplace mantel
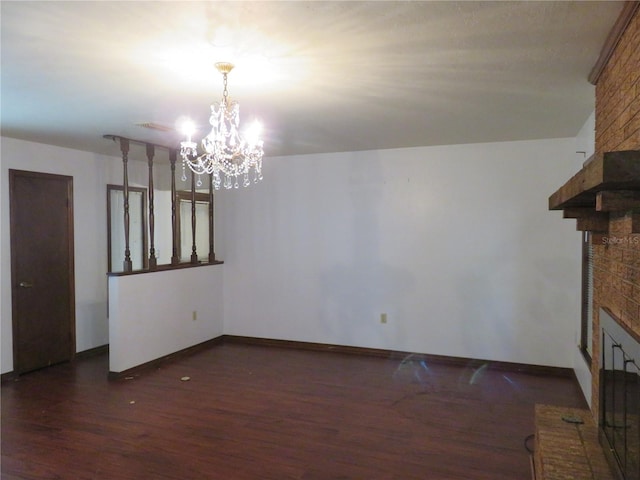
606	183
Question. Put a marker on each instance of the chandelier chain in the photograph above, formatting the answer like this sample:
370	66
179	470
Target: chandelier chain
225	92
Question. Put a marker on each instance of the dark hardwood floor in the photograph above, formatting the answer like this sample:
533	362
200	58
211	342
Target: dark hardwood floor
256	412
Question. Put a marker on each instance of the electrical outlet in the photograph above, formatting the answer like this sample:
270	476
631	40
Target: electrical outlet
383	318
194	315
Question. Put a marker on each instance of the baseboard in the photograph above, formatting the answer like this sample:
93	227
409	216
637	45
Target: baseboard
342	349
8	377
167	358
92	352
397	354
316	347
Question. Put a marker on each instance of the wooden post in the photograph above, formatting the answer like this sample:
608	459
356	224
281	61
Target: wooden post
175	258
212	254
153	261
194	252
124	148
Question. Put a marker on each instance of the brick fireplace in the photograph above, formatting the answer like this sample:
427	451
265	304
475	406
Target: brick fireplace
604	197
616	271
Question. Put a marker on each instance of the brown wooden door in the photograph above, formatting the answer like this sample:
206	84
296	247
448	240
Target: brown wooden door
41	269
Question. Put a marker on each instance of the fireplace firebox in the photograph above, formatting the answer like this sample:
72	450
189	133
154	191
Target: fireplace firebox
620	397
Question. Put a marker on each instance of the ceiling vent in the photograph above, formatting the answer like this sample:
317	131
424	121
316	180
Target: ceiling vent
156	126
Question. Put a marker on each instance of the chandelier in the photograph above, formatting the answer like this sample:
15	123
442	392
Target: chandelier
226	154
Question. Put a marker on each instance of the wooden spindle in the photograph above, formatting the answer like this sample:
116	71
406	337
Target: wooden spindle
153	261
212	254
124	148
175	258
194	251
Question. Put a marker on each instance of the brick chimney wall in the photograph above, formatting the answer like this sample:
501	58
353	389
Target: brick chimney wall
616	272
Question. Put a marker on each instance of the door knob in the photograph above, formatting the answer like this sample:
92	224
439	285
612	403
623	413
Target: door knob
26	284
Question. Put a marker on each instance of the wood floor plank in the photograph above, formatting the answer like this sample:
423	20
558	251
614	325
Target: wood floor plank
256	412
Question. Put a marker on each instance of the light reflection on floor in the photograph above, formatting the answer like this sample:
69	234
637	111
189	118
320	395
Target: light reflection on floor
423	387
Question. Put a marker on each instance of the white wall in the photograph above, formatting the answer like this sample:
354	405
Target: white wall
3	231
90	174
3	318
585	142
152	315
454	243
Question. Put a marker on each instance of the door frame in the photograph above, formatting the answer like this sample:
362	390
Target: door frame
14	280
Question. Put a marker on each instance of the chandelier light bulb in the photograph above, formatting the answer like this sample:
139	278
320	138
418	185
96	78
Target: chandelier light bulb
188	128
252	133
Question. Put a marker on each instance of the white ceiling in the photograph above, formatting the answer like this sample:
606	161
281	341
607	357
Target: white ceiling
322	76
